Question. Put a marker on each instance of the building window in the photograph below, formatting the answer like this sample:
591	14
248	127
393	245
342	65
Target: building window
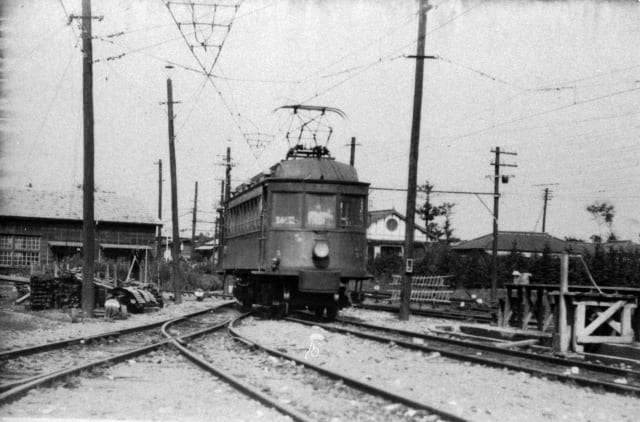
392	224
19	251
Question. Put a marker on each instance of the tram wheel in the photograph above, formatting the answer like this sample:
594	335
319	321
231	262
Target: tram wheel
332	312
245	301
319	311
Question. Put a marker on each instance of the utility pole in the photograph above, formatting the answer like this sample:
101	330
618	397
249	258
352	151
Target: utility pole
496	204
175	247
413	163
159	234
193	223
352	158
544	210
88	186
227	191
220	226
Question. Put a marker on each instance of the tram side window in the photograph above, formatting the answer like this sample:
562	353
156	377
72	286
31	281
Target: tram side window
351	211
321	210
287	209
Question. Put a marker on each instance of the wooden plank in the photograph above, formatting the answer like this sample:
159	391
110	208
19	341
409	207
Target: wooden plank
510	344
579	317
605	339
603	317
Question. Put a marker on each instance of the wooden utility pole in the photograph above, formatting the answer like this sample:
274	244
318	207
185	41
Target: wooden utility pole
175	247
413	163
496	204
220	226
159	233
193	222
352	158
544	210
88	226
227	191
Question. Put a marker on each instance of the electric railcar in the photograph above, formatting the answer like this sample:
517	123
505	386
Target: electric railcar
297	235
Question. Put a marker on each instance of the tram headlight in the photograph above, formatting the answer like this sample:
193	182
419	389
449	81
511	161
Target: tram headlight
321	249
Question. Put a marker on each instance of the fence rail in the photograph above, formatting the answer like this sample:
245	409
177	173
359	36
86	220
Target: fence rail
425	289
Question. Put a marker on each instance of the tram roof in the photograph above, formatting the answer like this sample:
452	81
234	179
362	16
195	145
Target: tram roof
325	169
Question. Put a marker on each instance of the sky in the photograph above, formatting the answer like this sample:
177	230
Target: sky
556	82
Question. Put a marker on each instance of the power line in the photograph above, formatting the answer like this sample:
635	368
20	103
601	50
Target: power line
541	113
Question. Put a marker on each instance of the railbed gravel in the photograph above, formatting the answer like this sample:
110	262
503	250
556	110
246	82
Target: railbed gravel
472	391
311	393
161	385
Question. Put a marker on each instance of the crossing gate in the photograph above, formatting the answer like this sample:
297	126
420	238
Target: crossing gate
432	289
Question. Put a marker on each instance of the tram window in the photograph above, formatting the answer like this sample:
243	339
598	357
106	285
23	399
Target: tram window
287	209
321	210
351	211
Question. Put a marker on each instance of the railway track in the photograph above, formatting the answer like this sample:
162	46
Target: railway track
620	377
460	315
27	368
349	389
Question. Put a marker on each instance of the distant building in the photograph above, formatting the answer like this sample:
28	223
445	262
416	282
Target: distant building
42	227
385	234
590	248
527	243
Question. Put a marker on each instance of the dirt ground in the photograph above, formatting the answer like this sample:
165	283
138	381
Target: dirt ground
163	386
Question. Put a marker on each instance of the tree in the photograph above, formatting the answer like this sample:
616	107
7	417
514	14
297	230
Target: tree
603	214
429	212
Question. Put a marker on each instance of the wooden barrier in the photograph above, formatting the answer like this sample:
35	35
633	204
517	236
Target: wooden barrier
433	289
536	304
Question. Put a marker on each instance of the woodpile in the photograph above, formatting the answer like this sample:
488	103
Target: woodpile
55	292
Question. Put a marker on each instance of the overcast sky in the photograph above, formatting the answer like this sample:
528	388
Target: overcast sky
557	82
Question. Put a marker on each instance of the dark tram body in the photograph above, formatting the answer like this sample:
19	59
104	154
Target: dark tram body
297	235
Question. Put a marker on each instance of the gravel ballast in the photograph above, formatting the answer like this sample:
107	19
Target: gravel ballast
472	391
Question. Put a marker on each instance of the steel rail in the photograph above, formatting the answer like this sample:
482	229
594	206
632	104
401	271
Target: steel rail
588	382
228	378
26	351
502	350
457	315
352	382
46	379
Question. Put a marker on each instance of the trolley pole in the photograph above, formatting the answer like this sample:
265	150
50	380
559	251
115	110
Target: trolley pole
413	163
175	247
88	186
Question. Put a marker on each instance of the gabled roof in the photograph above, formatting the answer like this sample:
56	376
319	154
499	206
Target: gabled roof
522	241
108	207
374	216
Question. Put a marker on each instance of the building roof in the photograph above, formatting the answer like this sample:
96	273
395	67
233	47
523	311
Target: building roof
590	248
108	207
522	241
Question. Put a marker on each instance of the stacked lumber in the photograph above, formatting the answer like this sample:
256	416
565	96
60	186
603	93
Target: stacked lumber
58	292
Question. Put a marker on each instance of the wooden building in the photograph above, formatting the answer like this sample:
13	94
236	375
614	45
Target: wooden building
42	227
526	243
385	234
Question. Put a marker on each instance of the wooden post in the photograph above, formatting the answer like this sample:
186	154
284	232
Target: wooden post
88	186
414	149
563	334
